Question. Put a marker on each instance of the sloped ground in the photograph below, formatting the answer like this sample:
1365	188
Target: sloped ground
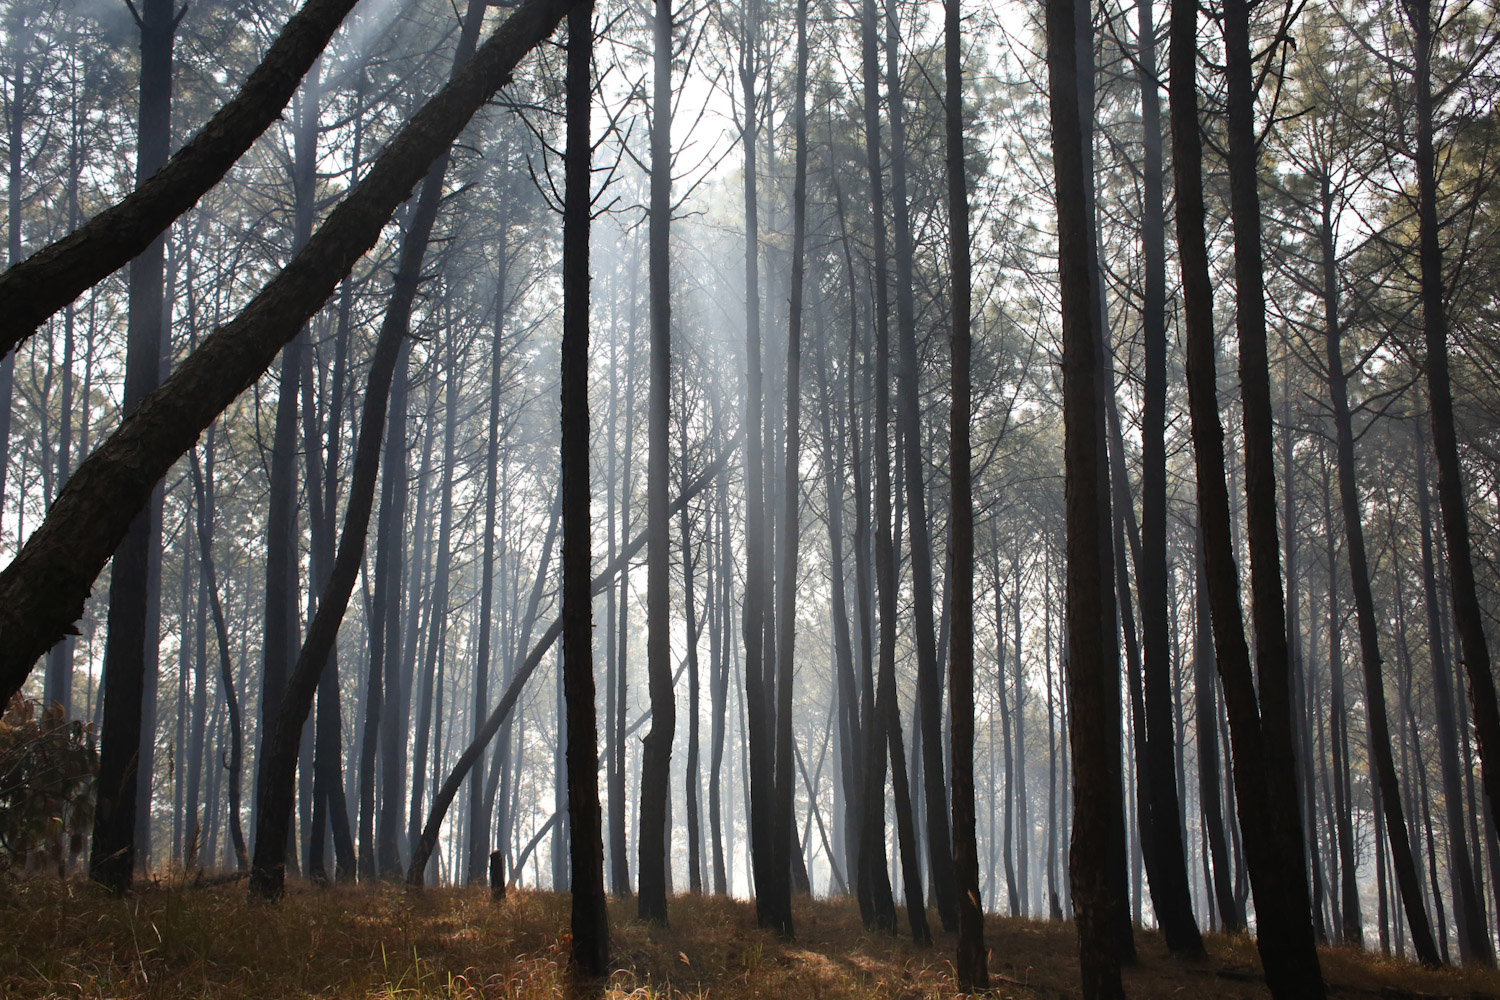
67	940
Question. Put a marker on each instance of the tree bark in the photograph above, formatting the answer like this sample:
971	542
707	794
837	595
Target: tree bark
1170	896
1473	934
908	413
783	818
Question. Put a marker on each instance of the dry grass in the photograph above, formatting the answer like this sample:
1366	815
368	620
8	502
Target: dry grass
67	940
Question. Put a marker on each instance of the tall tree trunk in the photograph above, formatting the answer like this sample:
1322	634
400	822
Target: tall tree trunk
722	656
692	776
1209	793
1338	719
281	635
759	749
1268	607
1090	665
657	748
1473	934
1378	733
590	921
203	480
970	961
908	407
882	912
437	618
481	805
127	657
1290	960
783	818
619	854
1467	615
1170	896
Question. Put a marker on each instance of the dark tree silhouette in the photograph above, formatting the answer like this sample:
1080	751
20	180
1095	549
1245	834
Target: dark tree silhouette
130	651
971	960
585	819
656	757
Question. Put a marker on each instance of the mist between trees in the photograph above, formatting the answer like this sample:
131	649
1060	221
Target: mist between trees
1035	460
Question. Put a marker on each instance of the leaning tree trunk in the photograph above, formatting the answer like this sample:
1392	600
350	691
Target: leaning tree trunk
43	589
387	365
422	850
49	279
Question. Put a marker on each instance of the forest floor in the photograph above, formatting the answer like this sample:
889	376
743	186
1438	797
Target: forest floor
172	941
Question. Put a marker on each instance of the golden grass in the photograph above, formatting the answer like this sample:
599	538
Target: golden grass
67	940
